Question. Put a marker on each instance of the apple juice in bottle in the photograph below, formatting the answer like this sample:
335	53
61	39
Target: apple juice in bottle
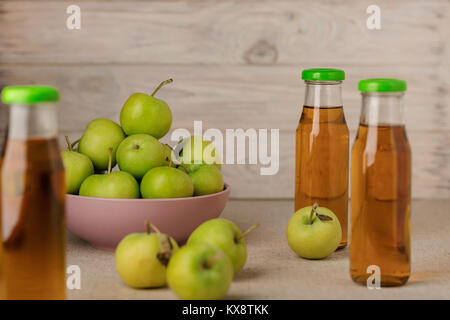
32	198
322	146
381	186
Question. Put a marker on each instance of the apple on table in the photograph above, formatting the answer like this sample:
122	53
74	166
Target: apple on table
314	232
225	235
199	272
141	258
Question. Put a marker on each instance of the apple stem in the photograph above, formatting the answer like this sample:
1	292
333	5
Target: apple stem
313	210
170	162
110	159
184	167
243	235
69	145
165	246
161	85
213	259
155	228
75	142
149	226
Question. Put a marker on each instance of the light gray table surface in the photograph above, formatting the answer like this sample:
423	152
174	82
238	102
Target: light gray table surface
273	271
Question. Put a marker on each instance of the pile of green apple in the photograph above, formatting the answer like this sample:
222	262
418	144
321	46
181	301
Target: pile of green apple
203	269
145	163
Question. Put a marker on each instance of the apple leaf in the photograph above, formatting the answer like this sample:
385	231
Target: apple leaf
164	257
166	250
323	217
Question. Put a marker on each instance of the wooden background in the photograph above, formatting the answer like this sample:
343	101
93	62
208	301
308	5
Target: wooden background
237	64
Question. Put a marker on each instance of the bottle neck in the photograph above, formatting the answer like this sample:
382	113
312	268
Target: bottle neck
323	94
33	121
382	108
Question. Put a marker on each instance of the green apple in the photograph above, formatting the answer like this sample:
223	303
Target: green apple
143	113
118	184
139	153
207	179
199	272
166	182
182	169
195	151
99	136
77	168
314	232
141	258
225	235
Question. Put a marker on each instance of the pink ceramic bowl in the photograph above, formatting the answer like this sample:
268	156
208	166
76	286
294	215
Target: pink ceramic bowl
104	222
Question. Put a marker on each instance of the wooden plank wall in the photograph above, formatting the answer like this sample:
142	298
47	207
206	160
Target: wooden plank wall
237	64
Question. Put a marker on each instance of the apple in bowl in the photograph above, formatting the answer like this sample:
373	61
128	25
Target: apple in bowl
103	207
108	207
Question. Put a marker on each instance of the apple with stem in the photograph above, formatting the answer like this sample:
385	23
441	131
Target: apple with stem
225	235
143	113
141	258
314	232
77	168
99	136
118	184
199	272
139	153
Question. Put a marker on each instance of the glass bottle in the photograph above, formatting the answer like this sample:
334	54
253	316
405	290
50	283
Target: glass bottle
322	146
32	197
381	186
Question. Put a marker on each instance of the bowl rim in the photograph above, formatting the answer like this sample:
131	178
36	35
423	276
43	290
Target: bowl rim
225	190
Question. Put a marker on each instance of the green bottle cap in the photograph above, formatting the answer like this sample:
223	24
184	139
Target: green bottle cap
29	94
382	85
323	74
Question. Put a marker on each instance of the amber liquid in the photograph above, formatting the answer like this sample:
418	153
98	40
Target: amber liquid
32	220
321	170
380	210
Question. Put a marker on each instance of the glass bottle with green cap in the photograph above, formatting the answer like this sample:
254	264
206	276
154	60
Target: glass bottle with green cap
32	197
322	146
381	186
